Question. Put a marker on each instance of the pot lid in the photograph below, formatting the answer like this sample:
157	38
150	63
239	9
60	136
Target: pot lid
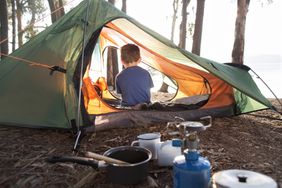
149	136
242	179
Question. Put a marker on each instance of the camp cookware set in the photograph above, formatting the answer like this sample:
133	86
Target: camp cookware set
126	165
129	165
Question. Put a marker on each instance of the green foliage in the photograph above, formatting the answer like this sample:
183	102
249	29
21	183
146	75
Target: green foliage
35	6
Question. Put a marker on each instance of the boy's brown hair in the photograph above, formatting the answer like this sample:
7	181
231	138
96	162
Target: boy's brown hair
130	53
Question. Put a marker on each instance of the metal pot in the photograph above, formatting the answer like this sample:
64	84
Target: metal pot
127	174
133	173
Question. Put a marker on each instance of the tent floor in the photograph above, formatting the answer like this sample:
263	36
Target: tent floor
133	118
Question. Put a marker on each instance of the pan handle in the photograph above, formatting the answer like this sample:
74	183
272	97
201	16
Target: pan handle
79	160
105	158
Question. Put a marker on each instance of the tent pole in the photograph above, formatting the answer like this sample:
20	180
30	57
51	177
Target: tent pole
81	74
266	86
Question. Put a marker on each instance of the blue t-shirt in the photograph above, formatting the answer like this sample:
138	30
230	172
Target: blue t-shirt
134	84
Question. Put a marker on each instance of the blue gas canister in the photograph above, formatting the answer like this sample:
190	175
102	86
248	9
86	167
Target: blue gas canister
191	171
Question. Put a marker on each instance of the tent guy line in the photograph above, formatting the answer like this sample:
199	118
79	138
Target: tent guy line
32	63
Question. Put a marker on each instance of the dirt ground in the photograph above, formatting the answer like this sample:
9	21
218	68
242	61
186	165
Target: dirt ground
252	142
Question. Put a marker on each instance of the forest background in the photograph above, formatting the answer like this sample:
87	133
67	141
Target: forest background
242	31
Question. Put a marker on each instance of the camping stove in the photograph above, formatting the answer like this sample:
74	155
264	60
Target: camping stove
190	169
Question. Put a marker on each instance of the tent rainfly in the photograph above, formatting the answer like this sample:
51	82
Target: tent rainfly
42	85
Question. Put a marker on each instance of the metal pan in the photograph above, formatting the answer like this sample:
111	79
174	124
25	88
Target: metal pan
134	172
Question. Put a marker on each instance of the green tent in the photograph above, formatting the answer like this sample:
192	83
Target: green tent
40	81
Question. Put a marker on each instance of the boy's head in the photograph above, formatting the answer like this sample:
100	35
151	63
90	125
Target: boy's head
130	53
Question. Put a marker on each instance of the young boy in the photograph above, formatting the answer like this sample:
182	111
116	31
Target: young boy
133	83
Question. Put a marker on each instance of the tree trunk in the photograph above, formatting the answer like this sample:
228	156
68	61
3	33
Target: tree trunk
62	10
239	42
164	86
112	66
30	27
4	28
123	8
13	4
19	19
52	10
174	17
197	37
183	25
112	1
57	9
